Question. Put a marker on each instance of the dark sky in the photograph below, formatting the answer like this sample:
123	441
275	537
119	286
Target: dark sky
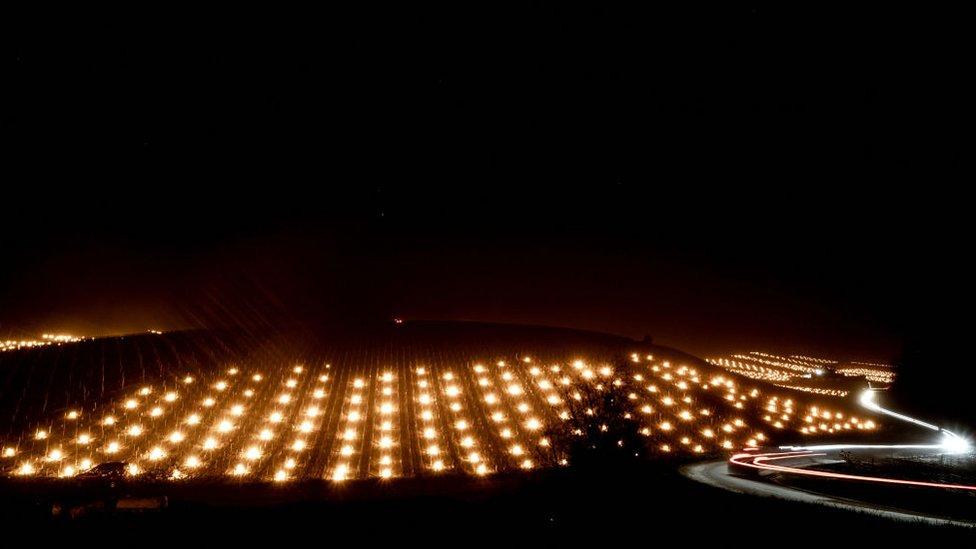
757	176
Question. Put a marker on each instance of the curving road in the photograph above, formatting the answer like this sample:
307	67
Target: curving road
747	472
716	473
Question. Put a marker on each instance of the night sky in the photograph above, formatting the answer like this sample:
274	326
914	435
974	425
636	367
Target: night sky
754	177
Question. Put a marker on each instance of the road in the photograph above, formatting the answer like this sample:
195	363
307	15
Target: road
716	473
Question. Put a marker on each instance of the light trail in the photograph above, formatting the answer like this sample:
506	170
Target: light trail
867	400
951	442
759	462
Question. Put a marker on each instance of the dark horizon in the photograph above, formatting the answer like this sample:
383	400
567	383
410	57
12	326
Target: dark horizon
722	181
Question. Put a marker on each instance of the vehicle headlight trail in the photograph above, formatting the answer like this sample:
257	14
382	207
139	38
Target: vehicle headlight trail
951	443
760	462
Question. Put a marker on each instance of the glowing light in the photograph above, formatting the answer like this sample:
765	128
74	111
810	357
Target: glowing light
192	462
131	404
252	453
210	443
108	421
955	444
170	396
156	454
225	426
134	430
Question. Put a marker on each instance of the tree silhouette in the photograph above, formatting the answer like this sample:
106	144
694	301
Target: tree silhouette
600	431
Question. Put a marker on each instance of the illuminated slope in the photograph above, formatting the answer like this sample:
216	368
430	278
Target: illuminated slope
411	407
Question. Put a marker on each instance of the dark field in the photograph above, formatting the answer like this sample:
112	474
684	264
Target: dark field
648	503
